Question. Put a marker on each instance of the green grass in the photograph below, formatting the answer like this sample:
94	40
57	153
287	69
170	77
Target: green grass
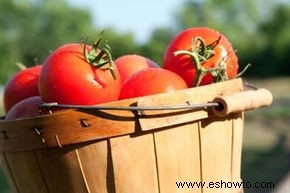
266	144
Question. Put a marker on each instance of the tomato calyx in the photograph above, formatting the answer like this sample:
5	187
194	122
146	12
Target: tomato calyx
99	57
201	53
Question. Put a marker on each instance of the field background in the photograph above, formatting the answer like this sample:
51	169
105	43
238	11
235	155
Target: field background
266	148
266	144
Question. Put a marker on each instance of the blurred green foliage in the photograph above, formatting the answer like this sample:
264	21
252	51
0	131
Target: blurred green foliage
259	31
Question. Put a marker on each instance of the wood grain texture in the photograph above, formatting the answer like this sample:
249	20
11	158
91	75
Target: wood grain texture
8	173
243	101
134	164
216	152
61	170
63	128
95	165
26	172
178	158
237	145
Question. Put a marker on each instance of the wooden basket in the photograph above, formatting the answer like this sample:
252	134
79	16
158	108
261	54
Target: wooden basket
113	151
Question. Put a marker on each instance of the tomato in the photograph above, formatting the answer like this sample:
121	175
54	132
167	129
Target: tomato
22	85
201	56
151	81
129	64
25	108
79	74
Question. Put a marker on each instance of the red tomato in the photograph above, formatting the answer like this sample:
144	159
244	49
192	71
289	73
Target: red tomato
25	108
194	51
129	64
70	77
22	85
151	81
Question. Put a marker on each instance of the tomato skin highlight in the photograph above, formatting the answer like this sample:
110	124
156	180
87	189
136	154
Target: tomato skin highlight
25	108
184	65
22	84
67	78
129	64
151	81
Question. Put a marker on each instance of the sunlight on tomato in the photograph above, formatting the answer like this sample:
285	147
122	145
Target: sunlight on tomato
132	63
22	85
151	81
67	78
204	46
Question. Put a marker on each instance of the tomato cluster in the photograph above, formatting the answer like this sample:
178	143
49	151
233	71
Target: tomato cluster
81	74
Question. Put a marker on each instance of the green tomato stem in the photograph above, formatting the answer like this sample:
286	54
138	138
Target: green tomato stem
200	53
99	57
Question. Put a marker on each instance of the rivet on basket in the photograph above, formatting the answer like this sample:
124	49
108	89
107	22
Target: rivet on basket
58	141
84	123
5	136
38	133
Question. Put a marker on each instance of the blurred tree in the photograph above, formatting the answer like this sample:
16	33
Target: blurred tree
155	47
31	29
120	43
274	57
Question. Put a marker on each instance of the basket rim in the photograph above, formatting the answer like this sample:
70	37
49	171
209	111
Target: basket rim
72	126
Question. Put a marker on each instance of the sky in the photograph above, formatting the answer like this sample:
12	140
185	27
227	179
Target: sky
138	17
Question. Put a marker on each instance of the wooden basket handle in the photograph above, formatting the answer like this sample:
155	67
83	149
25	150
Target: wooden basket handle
242	101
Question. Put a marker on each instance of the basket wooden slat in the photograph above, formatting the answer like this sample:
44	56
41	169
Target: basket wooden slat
216	151
134	164
237	142
61	170
178	157
96	164
23	172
